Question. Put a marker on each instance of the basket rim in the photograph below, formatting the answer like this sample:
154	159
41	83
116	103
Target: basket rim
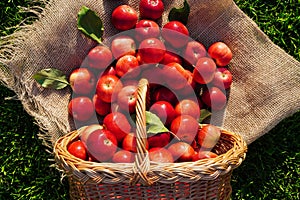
108	172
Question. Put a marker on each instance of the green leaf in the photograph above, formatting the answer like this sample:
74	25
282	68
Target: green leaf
51	78
203	115
90	24
180	14
154	124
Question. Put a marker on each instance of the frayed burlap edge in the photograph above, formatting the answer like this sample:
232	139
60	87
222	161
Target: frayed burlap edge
9	48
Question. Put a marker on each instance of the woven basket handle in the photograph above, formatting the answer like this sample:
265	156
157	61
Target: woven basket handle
142	162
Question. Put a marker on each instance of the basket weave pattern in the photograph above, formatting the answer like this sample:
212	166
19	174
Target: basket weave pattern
143	179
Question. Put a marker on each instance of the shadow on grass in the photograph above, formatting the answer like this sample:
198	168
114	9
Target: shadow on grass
271	169
25	171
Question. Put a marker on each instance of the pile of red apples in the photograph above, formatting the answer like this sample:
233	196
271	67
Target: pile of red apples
184	78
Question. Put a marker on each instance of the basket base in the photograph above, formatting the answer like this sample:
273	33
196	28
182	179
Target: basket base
218	188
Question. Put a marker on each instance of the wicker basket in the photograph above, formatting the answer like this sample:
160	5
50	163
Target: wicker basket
143	179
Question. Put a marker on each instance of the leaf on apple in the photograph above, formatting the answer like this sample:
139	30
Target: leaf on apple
180	14
90	24
204	115
154	124
51	78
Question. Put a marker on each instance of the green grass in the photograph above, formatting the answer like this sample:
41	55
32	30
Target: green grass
25	171
270	171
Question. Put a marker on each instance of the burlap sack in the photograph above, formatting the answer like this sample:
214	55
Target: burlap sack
266	79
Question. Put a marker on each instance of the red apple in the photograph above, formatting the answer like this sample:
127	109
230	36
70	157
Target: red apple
159	139
81	108
122	45
151	9
222	78
124	17
107	87
185	127
87	130
151	50
77	149
102	145
82	81
204	70
193	51
127	98
146	29
208	136
189	90
128	65
160	155
181	151
175	33
123	156
102	108
171	57
221	53
214	98
118	124
188	107
203	155
164	110
99	57
175	76
129	143
164	94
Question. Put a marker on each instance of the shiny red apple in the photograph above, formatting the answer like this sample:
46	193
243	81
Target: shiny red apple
175	33
214	98
221	53
146	29
164	110
160	155
122	45
101	107
124	17
185	127
81	108
102	145
151	9
82	81
127	65
107	87
188	107
193	51
118	124
99	57
151	50
127	98
204	70
181	151
123	156
208	136
222	78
